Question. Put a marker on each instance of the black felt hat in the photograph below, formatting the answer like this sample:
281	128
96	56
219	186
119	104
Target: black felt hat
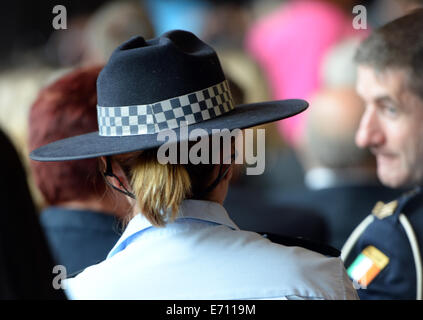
166	83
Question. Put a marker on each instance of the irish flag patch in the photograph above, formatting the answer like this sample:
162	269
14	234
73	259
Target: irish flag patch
367	265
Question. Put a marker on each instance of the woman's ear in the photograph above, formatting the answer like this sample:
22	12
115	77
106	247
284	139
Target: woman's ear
228	176
117	171
102	165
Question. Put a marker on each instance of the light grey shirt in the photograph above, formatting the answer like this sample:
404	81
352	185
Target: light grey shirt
204	255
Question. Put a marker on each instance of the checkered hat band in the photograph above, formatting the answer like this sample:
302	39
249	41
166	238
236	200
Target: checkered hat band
167	114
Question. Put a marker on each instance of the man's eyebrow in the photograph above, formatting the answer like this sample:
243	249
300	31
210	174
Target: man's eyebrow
384	99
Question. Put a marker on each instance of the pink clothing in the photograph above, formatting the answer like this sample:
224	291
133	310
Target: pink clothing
290	44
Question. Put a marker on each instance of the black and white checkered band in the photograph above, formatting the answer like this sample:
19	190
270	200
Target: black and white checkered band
168	114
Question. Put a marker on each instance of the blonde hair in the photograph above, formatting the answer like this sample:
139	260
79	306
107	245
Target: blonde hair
159	189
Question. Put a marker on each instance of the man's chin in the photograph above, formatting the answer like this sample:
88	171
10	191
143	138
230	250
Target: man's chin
391	181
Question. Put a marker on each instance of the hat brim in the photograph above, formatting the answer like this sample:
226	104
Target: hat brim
92	145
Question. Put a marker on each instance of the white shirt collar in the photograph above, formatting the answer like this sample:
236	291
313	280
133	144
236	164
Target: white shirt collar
321	178
193	209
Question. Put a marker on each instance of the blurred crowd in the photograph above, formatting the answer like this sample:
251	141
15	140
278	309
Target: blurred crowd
317	184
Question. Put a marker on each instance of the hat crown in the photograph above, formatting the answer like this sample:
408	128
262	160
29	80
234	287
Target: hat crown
147	71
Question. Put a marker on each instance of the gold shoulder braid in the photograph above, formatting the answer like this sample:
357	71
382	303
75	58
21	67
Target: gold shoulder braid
382	210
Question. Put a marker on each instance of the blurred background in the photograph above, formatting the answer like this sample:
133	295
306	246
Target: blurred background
269	49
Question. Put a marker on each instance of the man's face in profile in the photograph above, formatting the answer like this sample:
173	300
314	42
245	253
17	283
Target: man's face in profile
392	125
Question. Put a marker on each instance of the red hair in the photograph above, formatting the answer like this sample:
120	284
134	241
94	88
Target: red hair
66	108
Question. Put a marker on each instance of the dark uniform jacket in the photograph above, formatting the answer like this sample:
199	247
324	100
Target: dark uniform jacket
383	254
341	207
79	238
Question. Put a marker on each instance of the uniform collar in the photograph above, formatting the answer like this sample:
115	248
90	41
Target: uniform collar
322	178
207	211
190	209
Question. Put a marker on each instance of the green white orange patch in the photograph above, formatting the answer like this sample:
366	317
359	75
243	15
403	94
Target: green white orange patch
368	264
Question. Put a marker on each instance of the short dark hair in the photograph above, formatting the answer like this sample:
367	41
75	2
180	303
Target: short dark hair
398	44
66	108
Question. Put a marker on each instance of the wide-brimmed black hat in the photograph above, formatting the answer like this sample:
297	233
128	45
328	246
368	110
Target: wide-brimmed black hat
151	86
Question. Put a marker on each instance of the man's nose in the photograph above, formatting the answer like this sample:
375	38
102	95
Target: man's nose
369	133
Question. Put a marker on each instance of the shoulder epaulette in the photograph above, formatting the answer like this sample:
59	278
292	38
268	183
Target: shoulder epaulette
382	210
303	243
